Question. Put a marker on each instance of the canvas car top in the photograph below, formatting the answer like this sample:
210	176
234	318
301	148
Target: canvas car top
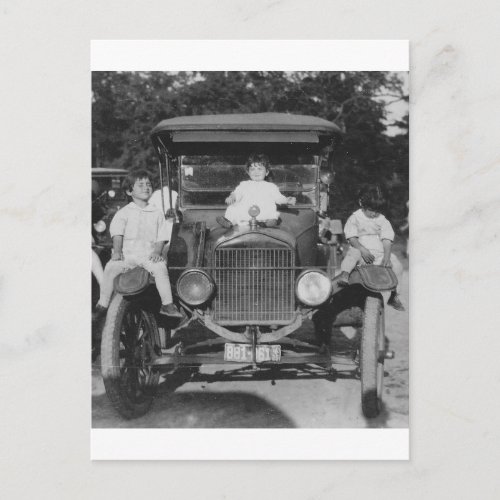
187	134
247	122
101	171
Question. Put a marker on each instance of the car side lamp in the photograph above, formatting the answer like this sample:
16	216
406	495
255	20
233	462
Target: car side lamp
329	234
326	177
100	226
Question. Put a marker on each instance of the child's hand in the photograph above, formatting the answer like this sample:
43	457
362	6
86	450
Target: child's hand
368	257
230	199
386	261
156	257
116	255
291	200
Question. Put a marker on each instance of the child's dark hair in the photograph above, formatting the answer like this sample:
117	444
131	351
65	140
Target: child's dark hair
371	197
134	175
258	158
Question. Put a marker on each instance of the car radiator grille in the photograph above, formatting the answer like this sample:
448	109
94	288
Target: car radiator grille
254	286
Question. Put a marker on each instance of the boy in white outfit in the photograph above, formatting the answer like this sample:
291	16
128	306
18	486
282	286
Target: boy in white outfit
139	232
256	191
370	237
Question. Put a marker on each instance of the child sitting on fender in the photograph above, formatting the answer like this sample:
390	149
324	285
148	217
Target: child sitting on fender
256	191
370	236
139	232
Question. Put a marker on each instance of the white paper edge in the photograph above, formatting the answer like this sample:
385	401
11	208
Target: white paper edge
240	55
250	444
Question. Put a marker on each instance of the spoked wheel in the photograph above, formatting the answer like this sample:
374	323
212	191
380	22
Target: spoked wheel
372	354
130	341
96	334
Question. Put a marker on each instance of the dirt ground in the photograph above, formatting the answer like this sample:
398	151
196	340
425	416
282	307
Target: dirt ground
290	400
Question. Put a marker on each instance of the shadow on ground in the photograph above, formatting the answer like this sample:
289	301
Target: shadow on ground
197	410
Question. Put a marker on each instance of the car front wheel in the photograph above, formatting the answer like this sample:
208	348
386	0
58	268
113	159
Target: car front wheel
130	340
372	353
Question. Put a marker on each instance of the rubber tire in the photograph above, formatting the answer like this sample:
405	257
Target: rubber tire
110	360
371	356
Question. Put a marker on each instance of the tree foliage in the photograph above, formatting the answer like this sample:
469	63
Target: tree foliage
126	105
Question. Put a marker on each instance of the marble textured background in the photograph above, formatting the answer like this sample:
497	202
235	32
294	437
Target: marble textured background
44	153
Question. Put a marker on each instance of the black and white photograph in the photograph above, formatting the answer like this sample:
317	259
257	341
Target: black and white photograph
250	250
205	284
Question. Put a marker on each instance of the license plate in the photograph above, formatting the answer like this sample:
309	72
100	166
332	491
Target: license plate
242	353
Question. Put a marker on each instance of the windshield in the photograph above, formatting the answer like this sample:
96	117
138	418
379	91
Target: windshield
208	180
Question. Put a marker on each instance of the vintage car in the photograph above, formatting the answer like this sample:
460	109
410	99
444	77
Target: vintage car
107	198
247	291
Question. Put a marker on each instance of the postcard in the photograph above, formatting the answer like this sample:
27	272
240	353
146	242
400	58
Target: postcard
250	262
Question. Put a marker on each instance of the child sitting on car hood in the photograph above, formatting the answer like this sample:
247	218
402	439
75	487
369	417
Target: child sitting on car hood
256	191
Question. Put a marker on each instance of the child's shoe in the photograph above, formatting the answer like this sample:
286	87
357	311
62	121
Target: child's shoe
99	313
343	279
224	222
395	302
271	222
171	311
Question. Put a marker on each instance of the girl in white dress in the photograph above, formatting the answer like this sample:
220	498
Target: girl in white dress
256	191
370	236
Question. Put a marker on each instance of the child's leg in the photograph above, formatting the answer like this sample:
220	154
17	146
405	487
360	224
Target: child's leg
97	269
397	267
351	260
394	300
232	214
162	281
111	271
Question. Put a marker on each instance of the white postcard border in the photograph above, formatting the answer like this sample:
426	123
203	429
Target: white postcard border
250	444
247	55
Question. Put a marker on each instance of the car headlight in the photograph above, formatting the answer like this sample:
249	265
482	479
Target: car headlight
313	287
100	226
195	287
